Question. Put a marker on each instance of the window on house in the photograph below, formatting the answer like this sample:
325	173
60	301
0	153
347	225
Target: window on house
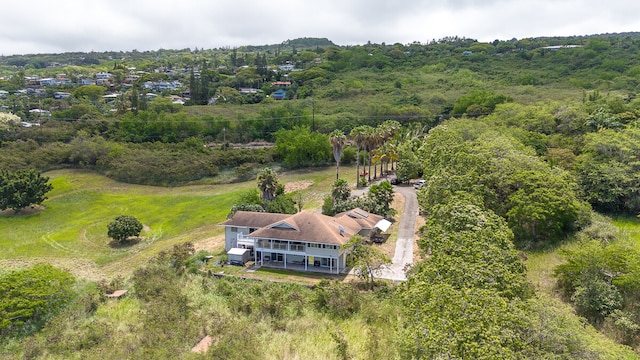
234	230
297	246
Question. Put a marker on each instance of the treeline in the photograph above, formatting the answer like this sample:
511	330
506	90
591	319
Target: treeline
486	195
540	203
147	163
470	298
528	176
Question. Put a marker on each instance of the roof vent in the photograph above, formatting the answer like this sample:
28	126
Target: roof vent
361	213
341	228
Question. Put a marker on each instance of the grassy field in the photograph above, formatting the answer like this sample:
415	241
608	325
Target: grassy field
629	229
71	230
540	263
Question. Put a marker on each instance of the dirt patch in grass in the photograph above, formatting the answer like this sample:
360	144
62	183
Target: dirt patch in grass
297	185
211	244
29	210
80	268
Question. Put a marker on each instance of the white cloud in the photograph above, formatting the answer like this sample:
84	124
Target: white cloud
31	26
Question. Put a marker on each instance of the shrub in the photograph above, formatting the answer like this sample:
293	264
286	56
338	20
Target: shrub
124	227
32	296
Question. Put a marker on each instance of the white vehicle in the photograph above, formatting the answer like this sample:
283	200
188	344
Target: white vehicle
419	184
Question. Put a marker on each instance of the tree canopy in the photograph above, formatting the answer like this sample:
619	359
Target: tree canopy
124	227
22	188
33	296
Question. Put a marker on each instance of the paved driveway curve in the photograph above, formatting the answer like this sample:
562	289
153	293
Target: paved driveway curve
406	233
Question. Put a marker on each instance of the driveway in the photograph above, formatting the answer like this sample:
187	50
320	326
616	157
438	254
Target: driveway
406	233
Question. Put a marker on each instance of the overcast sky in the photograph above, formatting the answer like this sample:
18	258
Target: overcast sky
48	26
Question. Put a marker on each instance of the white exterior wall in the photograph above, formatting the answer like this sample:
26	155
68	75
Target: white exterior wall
231	237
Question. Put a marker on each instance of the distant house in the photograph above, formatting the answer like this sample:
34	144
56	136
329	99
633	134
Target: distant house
40	112
160	86
48	82
86	82
63	81
281	83
246	91
175	99
103	75
306	241
110	97
467	53
61	95
279	94
287	67
559	47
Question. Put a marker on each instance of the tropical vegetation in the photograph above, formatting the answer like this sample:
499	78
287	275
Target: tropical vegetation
527	147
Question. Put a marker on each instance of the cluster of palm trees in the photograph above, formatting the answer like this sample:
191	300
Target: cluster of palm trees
377	144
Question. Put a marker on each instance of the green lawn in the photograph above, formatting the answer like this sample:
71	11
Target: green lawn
73	225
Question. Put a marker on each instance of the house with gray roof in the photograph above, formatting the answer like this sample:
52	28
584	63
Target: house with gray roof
306	241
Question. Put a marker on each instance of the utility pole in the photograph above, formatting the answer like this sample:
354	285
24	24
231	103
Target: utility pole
313	115
224	138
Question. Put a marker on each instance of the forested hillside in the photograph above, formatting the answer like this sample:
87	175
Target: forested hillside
527	147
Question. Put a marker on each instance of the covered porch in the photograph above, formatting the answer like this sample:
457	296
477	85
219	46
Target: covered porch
319	264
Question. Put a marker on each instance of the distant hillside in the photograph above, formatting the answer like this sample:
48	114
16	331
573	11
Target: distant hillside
289	45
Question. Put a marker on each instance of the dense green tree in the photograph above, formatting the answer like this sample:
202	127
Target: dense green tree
268	184
600	275
478	102
339	198
22	188
471	247
443	322
340	191
301	147
245	207
544	206
382	195
366	260
540	203
601	120
282	204
608	170
123	227
32	296
92	93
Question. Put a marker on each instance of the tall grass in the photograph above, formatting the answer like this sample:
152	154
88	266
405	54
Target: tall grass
73	224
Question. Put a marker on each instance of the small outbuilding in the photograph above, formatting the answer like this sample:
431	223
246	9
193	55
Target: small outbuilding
238	256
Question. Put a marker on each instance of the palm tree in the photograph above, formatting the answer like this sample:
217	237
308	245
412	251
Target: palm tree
388	132
358	136
340	191
370	141
268	184
337	139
